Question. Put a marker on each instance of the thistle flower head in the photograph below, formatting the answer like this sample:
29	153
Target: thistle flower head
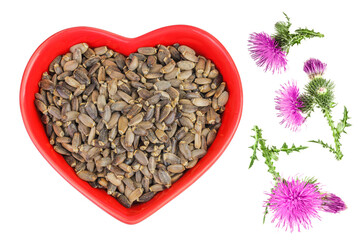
314	68
294	203
322	91
267	52
289	105
332	203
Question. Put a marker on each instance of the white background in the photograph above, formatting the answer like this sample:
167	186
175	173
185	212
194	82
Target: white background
226	202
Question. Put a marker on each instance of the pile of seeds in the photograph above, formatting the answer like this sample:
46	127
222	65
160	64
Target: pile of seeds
131	125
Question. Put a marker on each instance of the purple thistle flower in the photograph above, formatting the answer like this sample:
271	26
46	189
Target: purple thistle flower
289	105
266	51
314	68
294	203
332	203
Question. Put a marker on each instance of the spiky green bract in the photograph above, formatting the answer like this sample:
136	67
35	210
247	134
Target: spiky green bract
270	153
308	103
287	39
321	91
310	180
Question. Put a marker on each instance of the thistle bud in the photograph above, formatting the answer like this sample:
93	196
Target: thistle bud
332	203
314	68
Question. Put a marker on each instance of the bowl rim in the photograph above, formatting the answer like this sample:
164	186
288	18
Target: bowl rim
123	217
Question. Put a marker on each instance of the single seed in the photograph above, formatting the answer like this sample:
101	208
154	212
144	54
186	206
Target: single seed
122	125
201	102
41	106
162	85
176	168
223	98
157	188
100	50
185	150
136	119
71	65
141	157
220	90
86	120
147	50
203	81
87	176
82	46
161	135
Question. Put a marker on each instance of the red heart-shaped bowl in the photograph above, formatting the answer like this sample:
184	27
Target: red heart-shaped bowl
202	42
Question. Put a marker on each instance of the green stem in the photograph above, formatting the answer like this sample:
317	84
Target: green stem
266	153
275	174
335	133
265	213
254	147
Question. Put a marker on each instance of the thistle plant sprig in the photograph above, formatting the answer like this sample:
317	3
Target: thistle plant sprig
270	153
319	93
293	202
296	108
270	51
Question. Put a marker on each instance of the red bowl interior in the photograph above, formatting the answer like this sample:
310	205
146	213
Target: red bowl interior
202	42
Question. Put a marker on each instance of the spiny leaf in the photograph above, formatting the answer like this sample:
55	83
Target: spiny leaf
324	145
253	157
343	122
293	148
285	39
284	145
257	137
304	33
274	155
287	19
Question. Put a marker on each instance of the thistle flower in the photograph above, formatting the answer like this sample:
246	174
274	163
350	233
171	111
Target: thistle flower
267	52
314	68
332	203
294	203
289	105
